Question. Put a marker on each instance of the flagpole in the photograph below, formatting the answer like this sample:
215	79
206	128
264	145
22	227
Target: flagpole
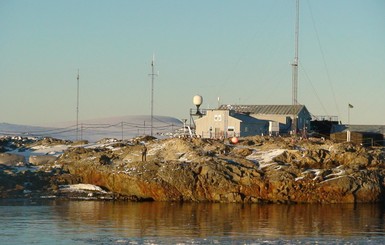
350	106
77	109
348	115
348	131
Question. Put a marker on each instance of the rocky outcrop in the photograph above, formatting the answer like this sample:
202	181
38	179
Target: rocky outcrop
258	169
10	159
42	160
33	176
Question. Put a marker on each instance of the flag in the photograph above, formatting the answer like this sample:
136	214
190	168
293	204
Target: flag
350	106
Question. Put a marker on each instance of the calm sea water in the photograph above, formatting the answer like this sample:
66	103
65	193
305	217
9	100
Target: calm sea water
99	222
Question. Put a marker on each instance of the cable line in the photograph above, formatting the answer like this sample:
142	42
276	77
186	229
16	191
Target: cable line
324	60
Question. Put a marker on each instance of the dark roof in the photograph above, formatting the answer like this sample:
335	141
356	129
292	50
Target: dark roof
265	109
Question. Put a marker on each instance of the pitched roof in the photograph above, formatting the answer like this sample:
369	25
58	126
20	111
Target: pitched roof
265	109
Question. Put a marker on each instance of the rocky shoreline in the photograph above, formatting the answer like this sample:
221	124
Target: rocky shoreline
256	170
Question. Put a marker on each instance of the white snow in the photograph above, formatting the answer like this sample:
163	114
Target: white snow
299	178
332	179
317	172
265	158
108	145
337	172
55	150
81	187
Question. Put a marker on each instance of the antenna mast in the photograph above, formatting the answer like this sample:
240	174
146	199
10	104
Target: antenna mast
152	92
77	109
295	72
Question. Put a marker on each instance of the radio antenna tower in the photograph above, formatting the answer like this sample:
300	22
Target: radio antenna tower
295	72
153	75
77	109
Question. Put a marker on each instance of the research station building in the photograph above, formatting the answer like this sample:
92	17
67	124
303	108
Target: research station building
249	120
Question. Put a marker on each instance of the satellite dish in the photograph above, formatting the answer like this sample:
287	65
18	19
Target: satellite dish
197	100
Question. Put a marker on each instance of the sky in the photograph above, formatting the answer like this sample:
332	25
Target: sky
228	51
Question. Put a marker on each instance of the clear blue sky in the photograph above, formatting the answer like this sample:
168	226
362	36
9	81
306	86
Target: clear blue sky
239	51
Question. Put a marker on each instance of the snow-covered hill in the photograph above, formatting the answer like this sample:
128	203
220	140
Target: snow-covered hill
93	130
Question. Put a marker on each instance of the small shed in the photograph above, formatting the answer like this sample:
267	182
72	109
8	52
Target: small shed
363	138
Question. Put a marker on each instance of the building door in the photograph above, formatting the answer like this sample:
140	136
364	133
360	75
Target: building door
217	133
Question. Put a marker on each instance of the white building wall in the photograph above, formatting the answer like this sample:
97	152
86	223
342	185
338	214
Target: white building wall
216	124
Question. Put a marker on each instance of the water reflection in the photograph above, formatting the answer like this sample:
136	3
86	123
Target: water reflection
160	219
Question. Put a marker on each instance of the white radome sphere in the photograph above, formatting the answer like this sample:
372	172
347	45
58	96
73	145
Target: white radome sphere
197	100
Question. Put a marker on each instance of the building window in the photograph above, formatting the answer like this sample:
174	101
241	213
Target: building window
246	129
230	128
218	118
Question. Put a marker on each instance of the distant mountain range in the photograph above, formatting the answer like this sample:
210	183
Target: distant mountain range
125	127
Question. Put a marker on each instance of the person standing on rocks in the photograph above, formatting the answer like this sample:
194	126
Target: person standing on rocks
144	153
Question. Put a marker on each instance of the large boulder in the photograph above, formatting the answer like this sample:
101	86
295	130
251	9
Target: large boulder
42	160
10	159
